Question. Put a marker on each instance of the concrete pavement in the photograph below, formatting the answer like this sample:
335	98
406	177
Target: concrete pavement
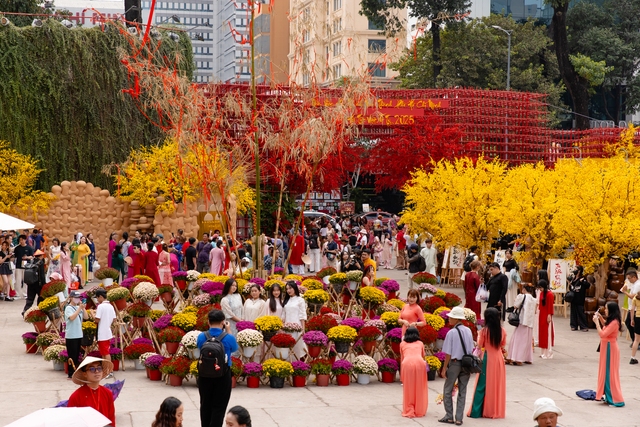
29	383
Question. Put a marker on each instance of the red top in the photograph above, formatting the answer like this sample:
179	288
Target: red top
297	249
100	399
185	246
151	266
400	239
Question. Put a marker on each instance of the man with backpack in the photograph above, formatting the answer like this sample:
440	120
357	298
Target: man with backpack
214	369
416	263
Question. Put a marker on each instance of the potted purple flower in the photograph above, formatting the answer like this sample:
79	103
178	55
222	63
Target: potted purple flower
252	371
388	367
342	370
354	322
394	336
315	340
301	371
245	324
152	363
390	287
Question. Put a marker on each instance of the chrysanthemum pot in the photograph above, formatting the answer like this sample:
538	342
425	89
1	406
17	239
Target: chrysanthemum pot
275	382
368	346
253	382
281	352
299	381
175	380
342	347
155	375
40	326
172	347
364	378
120	304
431	375
137	322
388	377
248	351
343	379
314	351
167	296
322	380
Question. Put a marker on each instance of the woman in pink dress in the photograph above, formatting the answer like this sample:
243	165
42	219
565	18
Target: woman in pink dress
411	314
609	368
520	349
387	245
490	396
164	270
413	374
65	264
151	264
112	246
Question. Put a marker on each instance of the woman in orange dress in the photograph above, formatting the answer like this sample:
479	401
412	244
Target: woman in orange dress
413	374
490	396
609	369
411	314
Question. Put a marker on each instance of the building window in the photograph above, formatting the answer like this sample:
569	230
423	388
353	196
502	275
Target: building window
337	25
337	48
377	70
306	79
337	4
374	26
337	71
377	46
305	36
306	15
305	57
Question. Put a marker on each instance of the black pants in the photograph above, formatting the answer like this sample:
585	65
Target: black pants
577	317
73	348
627	322
32	296
214	398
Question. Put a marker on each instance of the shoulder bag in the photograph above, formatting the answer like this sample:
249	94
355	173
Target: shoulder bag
514	316
470	364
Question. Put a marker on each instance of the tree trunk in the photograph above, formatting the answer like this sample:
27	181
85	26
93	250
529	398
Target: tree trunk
576	86
435	32
602	277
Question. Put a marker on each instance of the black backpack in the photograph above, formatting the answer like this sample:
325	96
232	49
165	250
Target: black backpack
422	264
467	262
313	242
31	273
213	358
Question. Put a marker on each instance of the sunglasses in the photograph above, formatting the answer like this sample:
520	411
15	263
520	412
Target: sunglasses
94	369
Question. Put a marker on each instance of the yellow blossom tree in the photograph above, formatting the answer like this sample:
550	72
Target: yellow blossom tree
458	202
17	181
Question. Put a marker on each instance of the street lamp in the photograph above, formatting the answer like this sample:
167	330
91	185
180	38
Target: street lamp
497	27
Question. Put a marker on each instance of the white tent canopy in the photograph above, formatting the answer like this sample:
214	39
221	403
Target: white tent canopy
7	222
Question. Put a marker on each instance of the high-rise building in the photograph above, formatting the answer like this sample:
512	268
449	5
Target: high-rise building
330	40
232	47
271	29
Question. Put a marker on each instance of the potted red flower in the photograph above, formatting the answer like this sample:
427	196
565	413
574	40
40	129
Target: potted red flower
138	311
321	368
282	343
171	337
369	336
300	373
177	369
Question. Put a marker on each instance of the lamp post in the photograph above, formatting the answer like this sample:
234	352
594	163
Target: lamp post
508	32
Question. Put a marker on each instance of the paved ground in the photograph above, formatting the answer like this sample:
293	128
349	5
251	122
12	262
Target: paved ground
29	383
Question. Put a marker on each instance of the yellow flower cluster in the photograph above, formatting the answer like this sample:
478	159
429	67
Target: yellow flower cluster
316	296
440	293
293	277
396	303
371	295
434	363
313	284
155	314
190	309
247	275
342	333
441	309
338	278
220	279
185	321
193	369
390	319
269	283
208	276
435	321
277	368
49	303
268	323
241	284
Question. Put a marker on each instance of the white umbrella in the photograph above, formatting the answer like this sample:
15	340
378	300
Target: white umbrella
7	222
63	417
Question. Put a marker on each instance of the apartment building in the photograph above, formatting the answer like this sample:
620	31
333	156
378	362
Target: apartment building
271	29
330	40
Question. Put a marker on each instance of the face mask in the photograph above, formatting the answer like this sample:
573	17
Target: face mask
76	300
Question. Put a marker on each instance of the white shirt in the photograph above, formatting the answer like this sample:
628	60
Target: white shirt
528	316
253	309
430	258
267	310
295	310
106	314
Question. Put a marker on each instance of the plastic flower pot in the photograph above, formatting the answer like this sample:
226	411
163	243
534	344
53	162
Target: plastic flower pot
107	282
172	347
346	298
342	347
147	369
116	365
322	380
31	348
234	382
395	346
388	377
281	353
66	368
343	379
155	375
182	284
175	380
268	335
138	322
275	382
314	351
248	351
87	340
424	294
253	382
353	285
58	366
40	326
431	375
392	295
368	346
139	365
337	287
167	296
299	381
120	304
364	378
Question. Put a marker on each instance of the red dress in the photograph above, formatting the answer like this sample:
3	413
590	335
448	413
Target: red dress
151	266
297	250
545	330
471	285
100	399
137	266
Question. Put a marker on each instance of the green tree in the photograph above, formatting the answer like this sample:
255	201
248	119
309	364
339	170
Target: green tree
384	13
475	55
609	34
24	6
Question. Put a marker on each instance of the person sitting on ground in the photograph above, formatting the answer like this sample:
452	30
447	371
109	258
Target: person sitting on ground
88	375
546	413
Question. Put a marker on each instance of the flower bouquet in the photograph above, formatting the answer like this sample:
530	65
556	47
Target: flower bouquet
268	325
424	277
327	271
435	321
292	327
354	322
277	369
245	324
342	369
428	335
52	288
390	319
431	304
186	320
106	273
171	334
49	304
321	323
146	291
372	297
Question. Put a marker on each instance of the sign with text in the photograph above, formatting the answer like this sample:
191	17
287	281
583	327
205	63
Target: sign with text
558	271
347	208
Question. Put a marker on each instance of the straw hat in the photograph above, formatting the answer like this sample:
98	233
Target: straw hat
306	259
543	405
80	377
38	253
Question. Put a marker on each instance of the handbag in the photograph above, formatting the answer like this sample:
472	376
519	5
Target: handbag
470	364
569	296
514	316
482	295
